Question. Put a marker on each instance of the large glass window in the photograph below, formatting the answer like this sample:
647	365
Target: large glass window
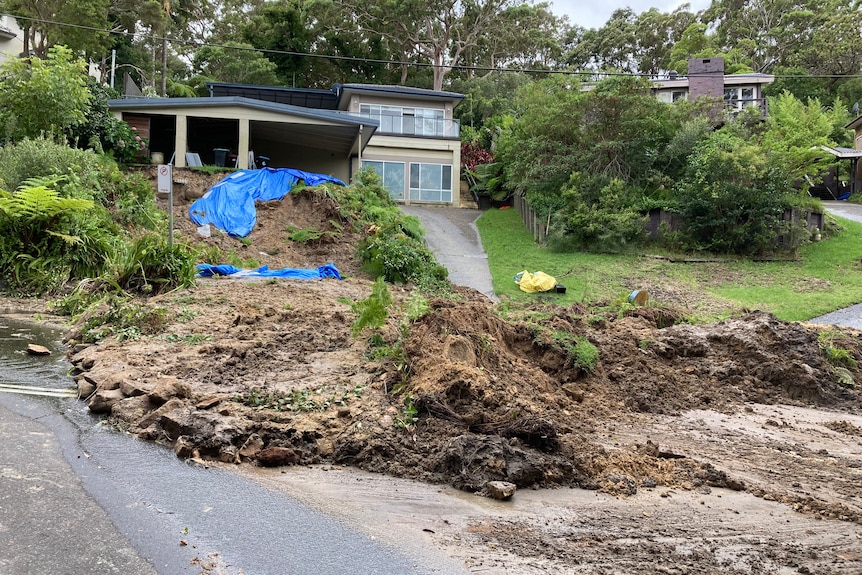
406	121
430	182
392	175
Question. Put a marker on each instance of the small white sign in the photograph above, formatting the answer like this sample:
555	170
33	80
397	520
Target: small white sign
164	180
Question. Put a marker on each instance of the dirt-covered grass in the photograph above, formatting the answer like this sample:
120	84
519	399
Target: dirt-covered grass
822	277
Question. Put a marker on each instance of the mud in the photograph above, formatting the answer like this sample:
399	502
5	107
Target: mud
674	419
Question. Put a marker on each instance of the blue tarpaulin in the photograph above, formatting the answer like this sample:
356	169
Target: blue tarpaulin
229	205
322	272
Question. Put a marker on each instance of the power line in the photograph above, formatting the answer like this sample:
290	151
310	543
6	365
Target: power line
470	68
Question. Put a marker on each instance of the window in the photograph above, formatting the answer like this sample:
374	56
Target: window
392	175
406	121
430	182
739	98
678	95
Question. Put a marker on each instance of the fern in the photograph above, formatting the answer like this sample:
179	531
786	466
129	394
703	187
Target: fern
372	310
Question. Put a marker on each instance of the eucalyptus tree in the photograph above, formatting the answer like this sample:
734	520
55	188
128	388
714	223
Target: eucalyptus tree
435	33
82	25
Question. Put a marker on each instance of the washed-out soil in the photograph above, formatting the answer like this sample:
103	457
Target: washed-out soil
268	373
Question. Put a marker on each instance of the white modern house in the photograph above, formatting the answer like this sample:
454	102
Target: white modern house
408	135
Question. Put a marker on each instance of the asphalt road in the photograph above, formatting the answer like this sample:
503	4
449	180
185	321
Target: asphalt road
78	497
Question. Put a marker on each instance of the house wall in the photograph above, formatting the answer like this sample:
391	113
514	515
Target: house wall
11	38
407	149
301	157
357	99
422	150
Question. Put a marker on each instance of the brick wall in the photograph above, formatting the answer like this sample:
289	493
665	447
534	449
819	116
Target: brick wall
706	77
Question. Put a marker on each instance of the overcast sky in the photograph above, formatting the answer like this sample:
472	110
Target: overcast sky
594	13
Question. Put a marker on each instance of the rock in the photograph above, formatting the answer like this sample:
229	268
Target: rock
155	415
208	402
229	454
85	388
135	387
325	447
34	349
184	447
133	410
251	446
103	400
277	456
500	489
167	388
111	376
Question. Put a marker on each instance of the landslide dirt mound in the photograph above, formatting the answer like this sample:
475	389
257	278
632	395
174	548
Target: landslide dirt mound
269	372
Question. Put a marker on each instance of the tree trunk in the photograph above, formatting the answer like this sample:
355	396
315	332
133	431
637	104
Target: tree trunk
164	66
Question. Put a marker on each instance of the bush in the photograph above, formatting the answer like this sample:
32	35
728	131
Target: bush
148	265
732	198
599	215
47	239
36	158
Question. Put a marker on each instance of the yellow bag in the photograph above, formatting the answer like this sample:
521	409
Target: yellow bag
539	281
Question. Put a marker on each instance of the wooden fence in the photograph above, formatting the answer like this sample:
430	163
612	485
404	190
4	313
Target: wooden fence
537	226
657	220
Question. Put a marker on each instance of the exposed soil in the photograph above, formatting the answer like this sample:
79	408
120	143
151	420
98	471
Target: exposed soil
267	373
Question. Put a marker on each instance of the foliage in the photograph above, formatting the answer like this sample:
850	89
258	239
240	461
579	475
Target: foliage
583	353
103	132
148	265
82	170
44	238
237	63
131	200
599	215
732	197
42	97
106	314
829	341
373	310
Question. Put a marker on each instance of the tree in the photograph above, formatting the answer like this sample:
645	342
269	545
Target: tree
282	27
40	32
436	32
43	97
238	63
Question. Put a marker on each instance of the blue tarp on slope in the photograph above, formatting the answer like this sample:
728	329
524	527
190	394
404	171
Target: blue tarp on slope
229	205
323	272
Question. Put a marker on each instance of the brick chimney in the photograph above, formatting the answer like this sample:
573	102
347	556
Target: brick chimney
705	78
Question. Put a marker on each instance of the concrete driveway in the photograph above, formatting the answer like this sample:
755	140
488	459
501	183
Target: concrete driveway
848	316
452	236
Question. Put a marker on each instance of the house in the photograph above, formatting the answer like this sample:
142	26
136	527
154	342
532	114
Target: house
406	134
853	154
706	78
11	38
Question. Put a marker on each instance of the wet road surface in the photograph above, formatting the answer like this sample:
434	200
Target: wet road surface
79	497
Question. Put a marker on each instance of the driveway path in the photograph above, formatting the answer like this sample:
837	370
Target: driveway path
848	316
452	236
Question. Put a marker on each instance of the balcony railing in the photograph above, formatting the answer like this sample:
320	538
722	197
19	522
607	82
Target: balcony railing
395	125
736	105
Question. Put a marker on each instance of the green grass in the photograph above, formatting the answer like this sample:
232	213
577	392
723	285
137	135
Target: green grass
827	276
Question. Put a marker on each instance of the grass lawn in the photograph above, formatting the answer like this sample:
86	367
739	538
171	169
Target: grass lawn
827	276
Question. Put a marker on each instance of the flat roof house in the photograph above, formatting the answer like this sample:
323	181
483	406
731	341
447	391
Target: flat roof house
407	135
706	78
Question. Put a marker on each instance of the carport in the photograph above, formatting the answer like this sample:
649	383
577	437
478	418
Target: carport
838	188
223	130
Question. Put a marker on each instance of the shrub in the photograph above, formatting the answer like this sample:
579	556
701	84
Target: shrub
148	265
732	197
47	239
599	215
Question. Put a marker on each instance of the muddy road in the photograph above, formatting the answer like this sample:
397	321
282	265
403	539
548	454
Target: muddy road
725	448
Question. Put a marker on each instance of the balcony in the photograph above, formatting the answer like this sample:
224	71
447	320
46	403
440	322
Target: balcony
394	124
